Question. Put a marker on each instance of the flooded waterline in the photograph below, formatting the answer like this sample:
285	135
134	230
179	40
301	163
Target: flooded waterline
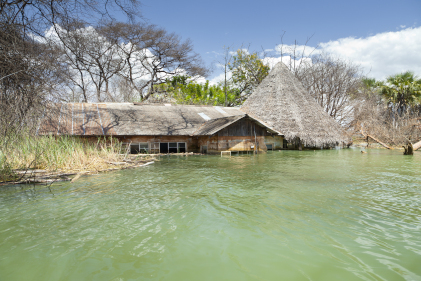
288	215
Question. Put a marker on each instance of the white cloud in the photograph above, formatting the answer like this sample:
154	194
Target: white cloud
220	78
382	54
245	51
298	49
271	61
379	55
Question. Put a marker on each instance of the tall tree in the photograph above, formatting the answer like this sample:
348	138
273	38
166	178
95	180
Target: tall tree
152	55
334	84
181	90
248	71
402	92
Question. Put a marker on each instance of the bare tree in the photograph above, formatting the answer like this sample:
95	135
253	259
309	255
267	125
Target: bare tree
31	72
152	55
374	118
225	62
334	84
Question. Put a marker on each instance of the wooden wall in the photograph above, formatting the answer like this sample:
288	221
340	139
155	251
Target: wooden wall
276	141
243	135
244	127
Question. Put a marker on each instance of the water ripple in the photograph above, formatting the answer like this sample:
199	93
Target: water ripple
289	215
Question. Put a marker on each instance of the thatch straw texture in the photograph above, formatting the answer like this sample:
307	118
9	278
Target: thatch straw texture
282	102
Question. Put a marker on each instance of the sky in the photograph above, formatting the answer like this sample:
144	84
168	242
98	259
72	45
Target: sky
382	37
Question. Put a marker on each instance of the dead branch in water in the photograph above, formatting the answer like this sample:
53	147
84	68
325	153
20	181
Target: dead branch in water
375	139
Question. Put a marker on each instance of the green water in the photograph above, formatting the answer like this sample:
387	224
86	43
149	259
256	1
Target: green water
289	215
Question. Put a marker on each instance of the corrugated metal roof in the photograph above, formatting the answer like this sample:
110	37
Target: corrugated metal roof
130	119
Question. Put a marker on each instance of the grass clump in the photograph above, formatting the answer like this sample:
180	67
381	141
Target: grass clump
63	153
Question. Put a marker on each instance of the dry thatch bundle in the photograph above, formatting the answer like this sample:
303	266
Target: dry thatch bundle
282	102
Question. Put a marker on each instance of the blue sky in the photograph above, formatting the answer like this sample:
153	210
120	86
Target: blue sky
374	34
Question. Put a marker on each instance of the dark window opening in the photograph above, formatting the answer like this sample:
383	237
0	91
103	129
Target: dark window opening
204	149
172	147
269	146
134	148
163	147
285	144
182	147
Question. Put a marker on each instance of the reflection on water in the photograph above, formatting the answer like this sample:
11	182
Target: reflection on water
289	215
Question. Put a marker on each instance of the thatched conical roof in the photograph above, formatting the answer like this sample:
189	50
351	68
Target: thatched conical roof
282	102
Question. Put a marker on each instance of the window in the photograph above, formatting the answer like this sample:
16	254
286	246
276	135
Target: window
285	144
136	148
144	147
269	146
163	147
204	149
154	147
172	147
181	147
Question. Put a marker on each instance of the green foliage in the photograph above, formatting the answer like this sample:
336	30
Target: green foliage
402	92
248	71
185	92
371	83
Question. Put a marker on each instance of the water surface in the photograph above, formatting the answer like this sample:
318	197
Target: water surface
288	215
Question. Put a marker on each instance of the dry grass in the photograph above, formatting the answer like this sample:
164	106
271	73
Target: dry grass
282	102
65	154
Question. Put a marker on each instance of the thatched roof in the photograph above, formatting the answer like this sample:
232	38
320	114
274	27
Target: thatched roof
128	119
282	102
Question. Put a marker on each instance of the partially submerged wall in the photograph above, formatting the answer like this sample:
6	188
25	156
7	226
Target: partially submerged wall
277	142
243	135
216	144
154	142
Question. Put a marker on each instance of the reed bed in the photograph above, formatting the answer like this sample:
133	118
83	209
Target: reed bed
65	154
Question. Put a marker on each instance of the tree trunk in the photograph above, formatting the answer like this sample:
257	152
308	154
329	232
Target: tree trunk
416	145
410	148
376	140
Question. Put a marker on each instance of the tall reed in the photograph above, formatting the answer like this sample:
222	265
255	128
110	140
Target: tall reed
62	153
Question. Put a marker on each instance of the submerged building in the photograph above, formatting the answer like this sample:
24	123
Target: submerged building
151	128
279	114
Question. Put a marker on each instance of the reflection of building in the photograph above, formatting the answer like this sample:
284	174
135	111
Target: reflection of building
150	128
278	110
